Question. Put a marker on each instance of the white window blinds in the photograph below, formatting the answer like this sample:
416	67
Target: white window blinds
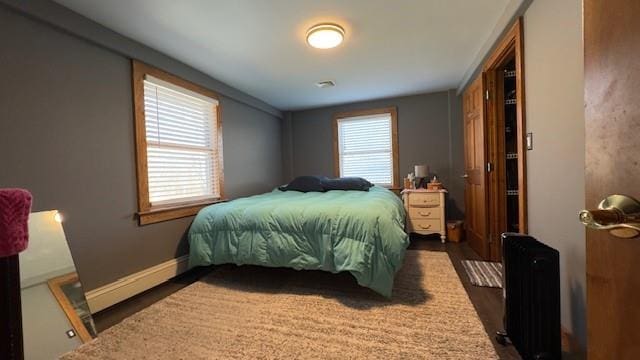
181	131
365	148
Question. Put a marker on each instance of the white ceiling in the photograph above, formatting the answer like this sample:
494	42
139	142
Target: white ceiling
258	46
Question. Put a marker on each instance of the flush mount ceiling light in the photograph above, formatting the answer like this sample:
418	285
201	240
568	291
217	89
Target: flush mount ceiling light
325	36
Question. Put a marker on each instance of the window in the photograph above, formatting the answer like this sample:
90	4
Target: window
366	145
178	143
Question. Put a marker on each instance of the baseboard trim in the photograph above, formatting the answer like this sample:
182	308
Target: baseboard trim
568	341
122	289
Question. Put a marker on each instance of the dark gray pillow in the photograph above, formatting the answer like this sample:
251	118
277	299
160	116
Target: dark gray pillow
346	183
305	184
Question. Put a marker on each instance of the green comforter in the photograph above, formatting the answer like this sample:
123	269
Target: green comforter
356	231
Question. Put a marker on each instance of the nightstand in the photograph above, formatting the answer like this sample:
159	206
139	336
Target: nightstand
425	211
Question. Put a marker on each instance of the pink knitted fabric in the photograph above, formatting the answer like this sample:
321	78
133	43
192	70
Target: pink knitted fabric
15	206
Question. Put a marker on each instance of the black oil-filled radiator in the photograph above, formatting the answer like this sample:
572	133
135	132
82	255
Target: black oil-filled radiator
531	289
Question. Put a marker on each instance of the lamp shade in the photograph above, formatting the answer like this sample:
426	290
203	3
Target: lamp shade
421	171
15	206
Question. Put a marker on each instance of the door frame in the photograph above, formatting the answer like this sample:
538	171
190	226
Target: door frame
511	46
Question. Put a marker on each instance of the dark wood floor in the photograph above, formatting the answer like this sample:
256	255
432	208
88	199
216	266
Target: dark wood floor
487	301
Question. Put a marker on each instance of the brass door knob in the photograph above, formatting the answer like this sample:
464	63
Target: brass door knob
619	214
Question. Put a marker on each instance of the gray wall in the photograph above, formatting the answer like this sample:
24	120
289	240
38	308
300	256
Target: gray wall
66	134
429	132
555	167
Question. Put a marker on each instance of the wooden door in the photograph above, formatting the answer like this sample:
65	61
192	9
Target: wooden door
612	112
497	178
474	154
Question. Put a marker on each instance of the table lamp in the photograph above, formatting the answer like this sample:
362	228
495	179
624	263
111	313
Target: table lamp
421	172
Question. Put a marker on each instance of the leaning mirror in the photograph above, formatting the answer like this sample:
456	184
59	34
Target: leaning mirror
55	314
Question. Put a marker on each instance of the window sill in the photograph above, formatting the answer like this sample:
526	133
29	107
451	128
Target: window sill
171	212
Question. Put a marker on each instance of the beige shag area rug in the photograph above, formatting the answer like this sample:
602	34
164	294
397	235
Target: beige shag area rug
251	312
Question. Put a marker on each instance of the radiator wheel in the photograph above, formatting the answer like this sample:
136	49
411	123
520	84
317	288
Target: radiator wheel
502	338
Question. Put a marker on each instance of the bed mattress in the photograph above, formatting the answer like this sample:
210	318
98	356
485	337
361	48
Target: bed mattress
361	232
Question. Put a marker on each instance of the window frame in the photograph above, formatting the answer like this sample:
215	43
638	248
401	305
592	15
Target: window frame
148	214
392	111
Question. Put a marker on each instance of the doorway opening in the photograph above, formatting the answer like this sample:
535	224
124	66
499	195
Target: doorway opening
506	139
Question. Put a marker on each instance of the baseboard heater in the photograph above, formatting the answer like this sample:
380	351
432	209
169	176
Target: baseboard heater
531	290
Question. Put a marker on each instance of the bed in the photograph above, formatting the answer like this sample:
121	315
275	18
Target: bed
361	232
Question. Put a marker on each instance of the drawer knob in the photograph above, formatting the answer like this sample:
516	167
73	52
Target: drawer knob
424	214
425	227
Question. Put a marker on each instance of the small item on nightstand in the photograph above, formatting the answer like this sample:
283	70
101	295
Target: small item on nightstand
411	179
434	184
407	183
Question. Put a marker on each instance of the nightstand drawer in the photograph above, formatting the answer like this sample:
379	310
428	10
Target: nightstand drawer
426	199
418	213
425	225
